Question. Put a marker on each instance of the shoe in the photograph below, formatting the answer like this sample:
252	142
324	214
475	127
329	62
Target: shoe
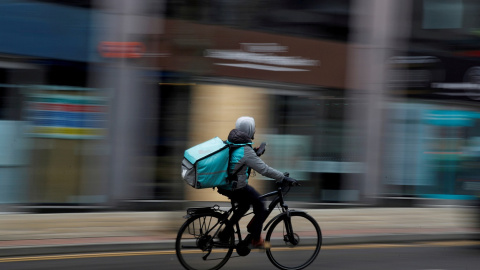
259	243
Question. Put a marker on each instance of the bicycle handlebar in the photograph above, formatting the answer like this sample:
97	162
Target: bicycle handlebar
283	183
289	181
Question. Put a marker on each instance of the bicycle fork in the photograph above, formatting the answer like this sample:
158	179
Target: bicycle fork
290	236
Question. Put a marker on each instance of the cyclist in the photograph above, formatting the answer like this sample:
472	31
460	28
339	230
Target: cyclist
243	159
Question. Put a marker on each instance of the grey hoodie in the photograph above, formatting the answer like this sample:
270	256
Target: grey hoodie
245	155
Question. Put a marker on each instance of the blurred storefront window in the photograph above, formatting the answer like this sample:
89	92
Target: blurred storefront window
432	129
50	127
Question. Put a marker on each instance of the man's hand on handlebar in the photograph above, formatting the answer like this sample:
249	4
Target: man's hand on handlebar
290	181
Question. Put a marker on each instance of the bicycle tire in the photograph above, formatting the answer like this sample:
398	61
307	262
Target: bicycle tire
308	236
195	239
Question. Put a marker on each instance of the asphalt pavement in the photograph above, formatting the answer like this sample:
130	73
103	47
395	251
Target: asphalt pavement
27	234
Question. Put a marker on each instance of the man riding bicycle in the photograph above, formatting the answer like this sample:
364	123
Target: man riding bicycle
243	159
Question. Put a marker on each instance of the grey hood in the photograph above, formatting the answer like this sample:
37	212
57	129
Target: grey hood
247	125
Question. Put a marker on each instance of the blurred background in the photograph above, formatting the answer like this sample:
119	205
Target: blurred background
365	101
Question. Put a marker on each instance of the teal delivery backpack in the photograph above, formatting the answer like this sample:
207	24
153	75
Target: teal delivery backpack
205	165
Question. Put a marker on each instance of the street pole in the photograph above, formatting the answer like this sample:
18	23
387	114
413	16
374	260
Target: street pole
127	21
377	29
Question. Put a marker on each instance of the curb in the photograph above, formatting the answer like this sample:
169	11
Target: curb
170	244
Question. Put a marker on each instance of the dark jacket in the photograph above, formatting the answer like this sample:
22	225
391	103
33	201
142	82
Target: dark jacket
245	156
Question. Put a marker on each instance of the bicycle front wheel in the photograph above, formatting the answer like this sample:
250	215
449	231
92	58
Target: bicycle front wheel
197	245
305	241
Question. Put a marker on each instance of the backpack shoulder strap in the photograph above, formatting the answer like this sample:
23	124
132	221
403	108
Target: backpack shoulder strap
231	176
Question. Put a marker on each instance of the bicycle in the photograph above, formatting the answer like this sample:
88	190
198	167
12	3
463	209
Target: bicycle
198	247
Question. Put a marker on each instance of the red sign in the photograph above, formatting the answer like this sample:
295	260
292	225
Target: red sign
111	49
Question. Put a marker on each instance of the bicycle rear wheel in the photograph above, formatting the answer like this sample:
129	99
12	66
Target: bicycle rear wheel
197	245
305	241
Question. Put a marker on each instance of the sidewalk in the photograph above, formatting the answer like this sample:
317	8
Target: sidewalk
38	234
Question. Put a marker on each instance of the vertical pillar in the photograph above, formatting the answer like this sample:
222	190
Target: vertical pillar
128	21
375	33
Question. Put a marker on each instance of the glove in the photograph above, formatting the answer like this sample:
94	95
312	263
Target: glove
290	181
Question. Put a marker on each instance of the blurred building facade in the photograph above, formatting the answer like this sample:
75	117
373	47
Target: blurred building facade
48	114
99	108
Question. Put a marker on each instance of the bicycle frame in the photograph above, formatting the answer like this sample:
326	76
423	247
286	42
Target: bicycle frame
277	200
285	211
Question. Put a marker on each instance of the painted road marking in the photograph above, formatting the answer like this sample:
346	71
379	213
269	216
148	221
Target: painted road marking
172	252
88	255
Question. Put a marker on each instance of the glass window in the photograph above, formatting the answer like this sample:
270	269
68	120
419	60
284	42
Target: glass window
442	14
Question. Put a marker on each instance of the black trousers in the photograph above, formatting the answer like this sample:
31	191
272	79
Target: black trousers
246	197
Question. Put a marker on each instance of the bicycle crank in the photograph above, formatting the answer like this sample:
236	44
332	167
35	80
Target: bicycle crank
242	247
